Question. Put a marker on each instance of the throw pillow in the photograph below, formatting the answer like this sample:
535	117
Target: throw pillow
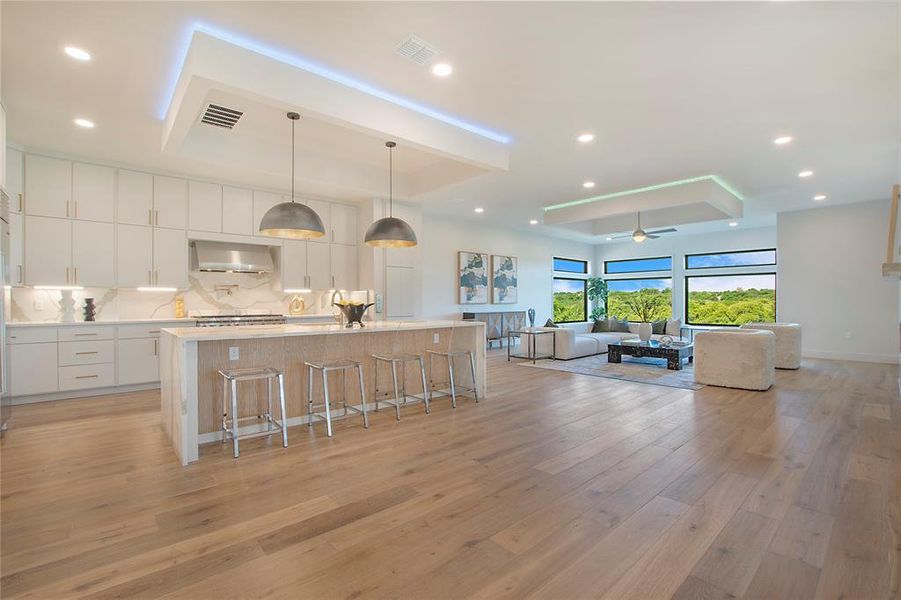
619	325
674	327
600	326
550	323
658	327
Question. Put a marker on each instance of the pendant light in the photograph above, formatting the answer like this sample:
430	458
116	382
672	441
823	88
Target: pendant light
639	235
390	232
292	219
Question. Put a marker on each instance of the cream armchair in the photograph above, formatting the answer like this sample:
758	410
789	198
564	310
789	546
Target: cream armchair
788	342
735	358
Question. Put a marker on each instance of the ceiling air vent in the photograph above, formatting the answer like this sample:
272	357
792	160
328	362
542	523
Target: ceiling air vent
220	116
417	50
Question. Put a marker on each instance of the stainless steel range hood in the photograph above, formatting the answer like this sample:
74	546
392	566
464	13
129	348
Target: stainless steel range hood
234	258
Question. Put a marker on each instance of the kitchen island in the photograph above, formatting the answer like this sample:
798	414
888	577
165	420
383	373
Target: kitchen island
190	359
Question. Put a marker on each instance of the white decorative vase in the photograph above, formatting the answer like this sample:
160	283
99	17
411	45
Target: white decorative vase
644	331
66	307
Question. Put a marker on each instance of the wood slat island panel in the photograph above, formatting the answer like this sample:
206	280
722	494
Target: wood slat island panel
192	389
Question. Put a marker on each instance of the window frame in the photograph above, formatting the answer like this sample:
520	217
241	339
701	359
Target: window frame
775	295
586	272
772	264
584	281
621	260
671	291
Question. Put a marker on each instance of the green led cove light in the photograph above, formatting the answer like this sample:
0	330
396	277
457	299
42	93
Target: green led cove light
650	188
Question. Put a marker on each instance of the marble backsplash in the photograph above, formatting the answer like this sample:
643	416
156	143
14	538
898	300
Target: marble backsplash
208	292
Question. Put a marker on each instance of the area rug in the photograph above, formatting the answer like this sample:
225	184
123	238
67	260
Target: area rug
652	371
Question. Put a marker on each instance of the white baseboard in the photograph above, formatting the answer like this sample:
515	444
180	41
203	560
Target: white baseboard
70	395
853	356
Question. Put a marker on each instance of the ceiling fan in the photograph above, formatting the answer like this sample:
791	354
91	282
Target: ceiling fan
640	235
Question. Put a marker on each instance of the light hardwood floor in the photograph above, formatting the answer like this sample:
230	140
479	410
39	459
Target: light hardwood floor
556	486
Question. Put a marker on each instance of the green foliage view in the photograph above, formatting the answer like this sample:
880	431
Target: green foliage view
732	307
569	306
644	305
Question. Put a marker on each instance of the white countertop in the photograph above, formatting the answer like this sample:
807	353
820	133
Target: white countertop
188	321
193	334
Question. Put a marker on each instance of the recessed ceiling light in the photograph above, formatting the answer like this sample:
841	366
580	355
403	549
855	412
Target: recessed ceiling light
733	223
77	53
533	222
83	123
442	69
819	197
782	140
585	138
588	184
609	238
479	210
807	173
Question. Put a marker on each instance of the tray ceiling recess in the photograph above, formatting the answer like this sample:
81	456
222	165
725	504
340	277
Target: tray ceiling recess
342	132
693	200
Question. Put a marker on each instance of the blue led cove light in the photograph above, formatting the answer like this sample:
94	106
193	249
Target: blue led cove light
306	65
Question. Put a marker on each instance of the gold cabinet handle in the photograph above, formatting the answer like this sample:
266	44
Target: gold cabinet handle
21	202
80	353
20	273
156	347
149	216
76	208
67	275
85	334
86	376
75	275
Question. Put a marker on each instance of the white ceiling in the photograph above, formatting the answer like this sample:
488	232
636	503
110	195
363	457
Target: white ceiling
671	90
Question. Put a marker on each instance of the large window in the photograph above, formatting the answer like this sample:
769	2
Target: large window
741	258
730	299
570	265
570	300
640	299
638	265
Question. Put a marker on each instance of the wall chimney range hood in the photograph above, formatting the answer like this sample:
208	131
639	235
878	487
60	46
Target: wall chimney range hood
232	258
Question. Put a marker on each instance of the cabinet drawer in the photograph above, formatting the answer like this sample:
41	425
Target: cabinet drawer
86	353
86	333
33	369
31	335
82	377
148	330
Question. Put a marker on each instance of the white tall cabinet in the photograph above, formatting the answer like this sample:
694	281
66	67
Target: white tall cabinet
151	257
93	192
68	252
48	186
14	179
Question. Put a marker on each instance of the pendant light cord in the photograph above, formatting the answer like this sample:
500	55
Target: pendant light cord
391	181
293	121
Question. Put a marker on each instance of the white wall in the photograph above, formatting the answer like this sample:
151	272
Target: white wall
678	246
830	281
442	238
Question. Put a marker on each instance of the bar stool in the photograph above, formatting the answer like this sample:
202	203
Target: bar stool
230	379
343	366
402	360
450	355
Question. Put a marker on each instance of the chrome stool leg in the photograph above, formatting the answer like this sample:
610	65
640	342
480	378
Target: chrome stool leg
235	415
363	397
396	398
269	383
472	370
328	414
426	392
310	396
284	412
450	374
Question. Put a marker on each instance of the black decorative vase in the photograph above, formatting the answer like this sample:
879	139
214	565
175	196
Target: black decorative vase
531	314
90	311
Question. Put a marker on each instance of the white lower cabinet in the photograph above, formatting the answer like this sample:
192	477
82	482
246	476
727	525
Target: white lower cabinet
138	360
85	377
33	369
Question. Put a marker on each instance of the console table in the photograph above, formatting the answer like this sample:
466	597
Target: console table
498	323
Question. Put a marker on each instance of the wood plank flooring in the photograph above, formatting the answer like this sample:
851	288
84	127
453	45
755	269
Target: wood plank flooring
556	486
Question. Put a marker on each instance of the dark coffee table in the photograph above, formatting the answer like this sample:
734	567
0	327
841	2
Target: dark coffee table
674	355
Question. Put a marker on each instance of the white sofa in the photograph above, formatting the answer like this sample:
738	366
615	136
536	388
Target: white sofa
788	342
575	340
735	358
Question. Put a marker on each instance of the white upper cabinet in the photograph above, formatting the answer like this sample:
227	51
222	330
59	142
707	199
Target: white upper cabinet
170	258
323	210
14	171
16	249
237	211
134	256
344	224
204	206
135	203
294	265
170	202
93	192
93	254
344	267
319	266
399	292
48	251
262	202
48	186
